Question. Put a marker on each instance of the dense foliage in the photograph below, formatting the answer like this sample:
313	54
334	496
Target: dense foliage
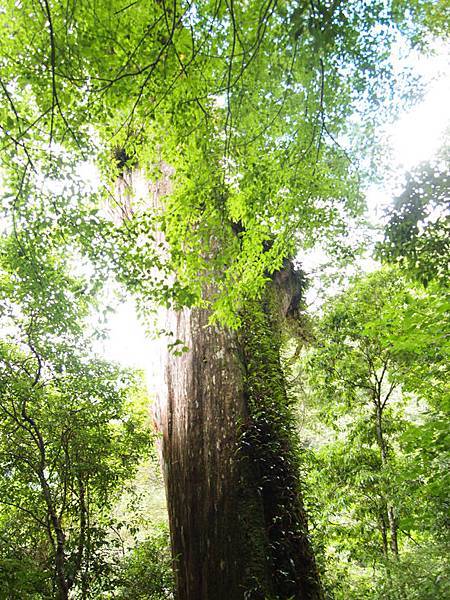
73	430
146	573
236	109
378	399
418	232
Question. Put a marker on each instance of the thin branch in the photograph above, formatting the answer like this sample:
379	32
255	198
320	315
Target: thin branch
408	535
388	395
55	99
11	103
162	51
38	359
229	117
126	7
25	510
52	66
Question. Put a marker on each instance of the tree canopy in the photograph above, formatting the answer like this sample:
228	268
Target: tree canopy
242	110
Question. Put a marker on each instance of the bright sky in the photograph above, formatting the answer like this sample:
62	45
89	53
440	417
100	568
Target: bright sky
415	137
127	343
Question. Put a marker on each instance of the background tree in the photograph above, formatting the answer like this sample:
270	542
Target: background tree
353	369
70	436
416	237
381	504
417	233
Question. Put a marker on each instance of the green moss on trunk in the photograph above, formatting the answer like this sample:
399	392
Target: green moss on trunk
283	565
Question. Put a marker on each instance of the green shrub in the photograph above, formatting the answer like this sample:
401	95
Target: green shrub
146	573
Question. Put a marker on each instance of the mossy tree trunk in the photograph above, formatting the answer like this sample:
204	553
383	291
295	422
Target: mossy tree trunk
237	521
236	515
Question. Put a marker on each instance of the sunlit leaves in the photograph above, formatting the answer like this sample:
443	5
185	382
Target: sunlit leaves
247	104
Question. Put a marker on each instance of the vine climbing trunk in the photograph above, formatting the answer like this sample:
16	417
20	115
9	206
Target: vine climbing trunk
237	521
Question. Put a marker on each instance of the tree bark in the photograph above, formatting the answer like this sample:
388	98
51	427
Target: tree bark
236	515
60	559
393	527
383	531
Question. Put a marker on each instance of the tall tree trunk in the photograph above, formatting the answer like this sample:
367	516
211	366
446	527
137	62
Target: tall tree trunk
238	526
393	527
236	515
